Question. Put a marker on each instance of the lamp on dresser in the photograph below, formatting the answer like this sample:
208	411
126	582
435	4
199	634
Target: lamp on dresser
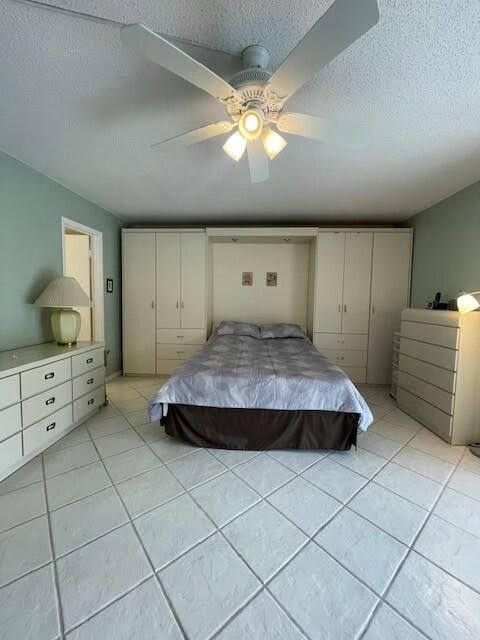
467	302
62	294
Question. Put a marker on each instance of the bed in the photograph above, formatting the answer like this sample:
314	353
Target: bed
261	387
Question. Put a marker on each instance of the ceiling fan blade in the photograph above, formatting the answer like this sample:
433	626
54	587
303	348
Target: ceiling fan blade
159	50
194	136
323	129
257	161
343	23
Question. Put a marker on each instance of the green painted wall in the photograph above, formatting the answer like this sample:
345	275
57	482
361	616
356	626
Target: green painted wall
446	249
31	208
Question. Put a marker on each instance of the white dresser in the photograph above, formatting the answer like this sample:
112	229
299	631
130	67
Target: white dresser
45	391
439	372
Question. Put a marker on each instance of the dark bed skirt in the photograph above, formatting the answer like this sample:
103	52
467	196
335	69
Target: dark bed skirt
259	429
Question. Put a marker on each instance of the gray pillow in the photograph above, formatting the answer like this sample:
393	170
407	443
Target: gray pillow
238	329
280	330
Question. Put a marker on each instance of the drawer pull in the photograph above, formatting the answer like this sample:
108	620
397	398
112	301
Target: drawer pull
340	341
49	376
51	426
89	360
90	381
91	401
50	401
179	337
340	358
180	353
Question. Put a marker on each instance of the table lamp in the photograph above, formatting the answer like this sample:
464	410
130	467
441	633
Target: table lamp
467	302
62	294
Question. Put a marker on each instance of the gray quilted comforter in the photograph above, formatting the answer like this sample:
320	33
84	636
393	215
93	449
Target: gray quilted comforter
244	372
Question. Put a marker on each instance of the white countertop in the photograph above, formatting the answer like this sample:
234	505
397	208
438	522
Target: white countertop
18	360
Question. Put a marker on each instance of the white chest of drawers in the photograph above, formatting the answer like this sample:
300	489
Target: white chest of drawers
45	391
439	372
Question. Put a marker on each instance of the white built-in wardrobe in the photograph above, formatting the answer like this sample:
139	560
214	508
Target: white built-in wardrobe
362	285
164	293
359	282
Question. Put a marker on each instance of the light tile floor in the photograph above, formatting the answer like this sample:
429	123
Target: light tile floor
120	532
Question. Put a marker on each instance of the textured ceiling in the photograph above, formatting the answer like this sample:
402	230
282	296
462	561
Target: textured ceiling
78	107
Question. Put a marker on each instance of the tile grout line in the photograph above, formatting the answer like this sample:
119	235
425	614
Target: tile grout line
132	523
56	580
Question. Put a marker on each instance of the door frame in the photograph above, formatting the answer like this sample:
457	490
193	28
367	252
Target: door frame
98	325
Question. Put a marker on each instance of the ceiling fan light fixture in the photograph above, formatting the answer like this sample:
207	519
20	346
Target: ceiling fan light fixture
251	123
235	146
273	142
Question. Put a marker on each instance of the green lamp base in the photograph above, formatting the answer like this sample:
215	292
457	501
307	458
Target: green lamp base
65	326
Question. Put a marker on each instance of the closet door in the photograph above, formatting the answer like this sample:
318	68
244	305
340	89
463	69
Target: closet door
168	280
390	290
356	282
193	268
329	282
138	303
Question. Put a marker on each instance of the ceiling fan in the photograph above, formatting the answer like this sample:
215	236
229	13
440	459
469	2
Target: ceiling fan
254	99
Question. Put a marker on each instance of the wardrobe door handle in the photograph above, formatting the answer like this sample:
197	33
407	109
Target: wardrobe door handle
373	310
339	308
49	376
345	308
176	306
183	306
153	304
51	426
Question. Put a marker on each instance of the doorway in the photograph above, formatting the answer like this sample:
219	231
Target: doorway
82	260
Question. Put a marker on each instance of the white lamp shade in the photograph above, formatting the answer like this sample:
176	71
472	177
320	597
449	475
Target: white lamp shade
467	302
63	292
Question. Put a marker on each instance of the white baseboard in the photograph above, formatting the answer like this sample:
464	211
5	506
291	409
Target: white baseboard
113	375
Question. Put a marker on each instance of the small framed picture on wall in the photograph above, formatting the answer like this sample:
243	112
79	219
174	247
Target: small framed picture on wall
247	278
271	278
109	285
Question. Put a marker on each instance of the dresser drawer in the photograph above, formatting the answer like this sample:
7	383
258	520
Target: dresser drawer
91	380
438	397
429	372
46	403
432	333
356	374
181	352
41	434
356	342
88	403
181	336
10	454
433	418
10	421
166	367
84	362
346	358
439	356
42	378
9	391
